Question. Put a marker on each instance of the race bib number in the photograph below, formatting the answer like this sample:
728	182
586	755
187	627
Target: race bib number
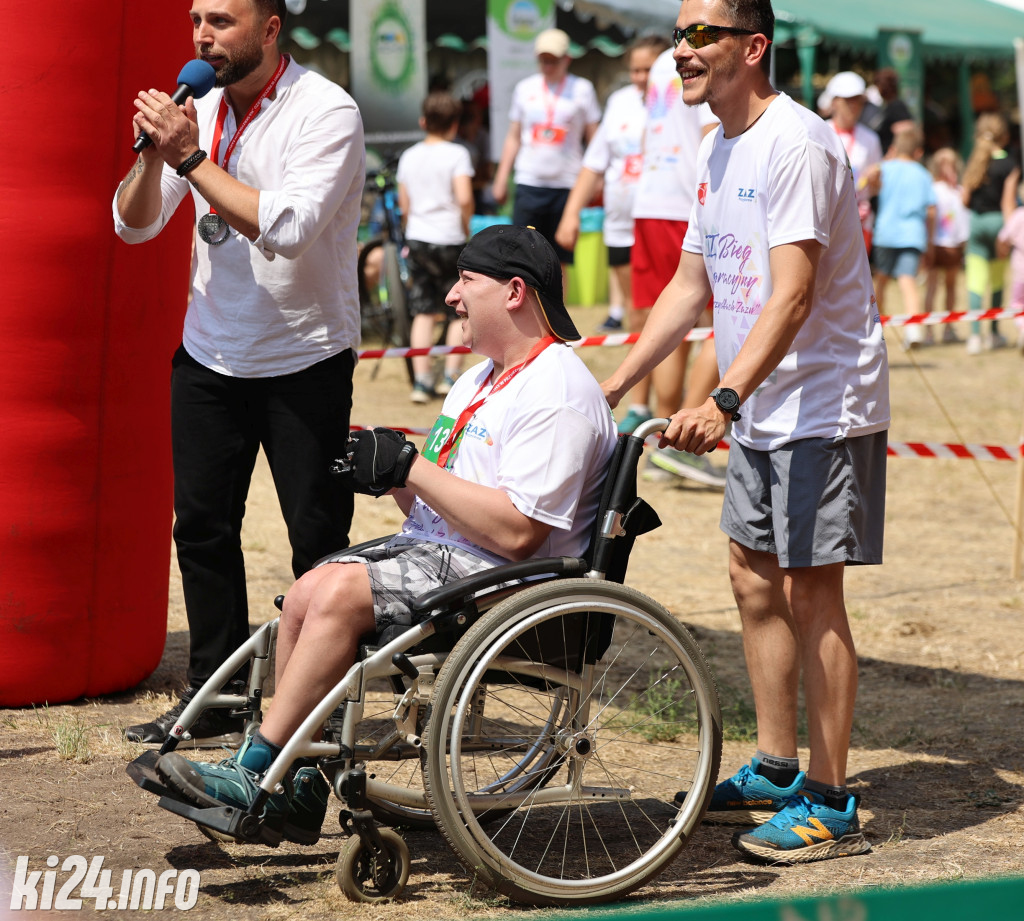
437	437
633	167
548	134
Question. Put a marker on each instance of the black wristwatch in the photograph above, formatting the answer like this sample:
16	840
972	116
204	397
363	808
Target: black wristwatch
727	400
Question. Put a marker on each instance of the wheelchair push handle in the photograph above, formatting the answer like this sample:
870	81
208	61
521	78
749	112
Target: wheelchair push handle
644	429
631	459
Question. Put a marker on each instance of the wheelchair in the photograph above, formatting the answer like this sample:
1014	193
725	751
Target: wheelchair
544	727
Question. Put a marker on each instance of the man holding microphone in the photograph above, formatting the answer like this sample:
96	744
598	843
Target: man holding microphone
273	158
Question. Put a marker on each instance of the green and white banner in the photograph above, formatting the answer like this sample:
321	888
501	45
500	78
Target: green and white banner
389	62
901	50
512	25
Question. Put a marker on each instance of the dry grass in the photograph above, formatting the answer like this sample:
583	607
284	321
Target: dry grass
936	747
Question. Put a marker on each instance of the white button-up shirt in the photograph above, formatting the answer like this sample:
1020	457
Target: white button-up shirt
288	299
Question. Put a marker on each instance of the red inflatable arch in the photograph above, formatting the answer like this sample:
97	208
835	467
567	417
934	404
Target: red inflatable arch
87	329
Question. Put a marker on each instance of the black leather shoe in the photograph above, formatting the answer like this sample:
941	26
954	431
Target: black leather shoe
213	729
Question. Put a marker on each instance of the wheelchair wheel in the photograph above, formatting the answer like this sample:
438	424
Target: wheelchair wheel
358	874
615	694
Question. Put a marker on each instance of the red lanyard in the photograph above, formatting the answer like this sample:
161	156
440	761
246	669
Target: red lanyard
475	404
250	117
551	105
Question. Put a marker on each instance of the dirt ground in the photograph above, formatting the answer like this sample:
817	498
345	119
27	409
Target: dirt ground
937	755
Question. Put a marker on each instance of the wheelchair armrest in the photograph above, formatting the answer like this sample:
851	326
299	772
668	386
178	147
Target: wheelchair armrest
463	589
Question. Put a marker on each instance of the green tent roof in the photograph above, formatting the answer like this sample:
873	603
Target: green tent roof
954	29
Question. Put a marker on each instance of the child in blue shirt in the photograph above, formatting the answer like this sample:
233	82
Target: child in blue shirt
905	225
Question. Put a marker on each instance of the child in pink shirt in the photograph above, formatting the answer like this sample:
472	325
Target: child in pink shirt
951	232
1010	242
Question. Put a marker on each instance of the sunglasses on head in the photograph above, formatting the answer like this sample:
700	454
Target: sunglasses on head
700	34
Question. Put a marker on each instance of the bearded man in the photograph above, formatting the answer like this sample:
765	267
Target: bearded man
273	158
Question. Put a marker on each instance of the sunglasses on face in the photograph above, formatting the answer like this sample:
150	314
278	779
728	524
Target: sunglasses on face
700	34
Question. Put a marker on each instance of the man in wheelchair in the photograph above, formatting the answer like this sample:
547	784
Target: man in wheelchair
512	469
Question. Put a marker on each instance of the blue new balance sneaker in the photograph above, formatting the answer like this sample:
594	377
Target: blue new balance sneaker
805	830
747	798
229	783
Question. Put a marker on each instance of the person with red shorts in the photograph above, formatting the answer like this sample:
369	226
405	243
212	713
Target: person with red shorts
664	198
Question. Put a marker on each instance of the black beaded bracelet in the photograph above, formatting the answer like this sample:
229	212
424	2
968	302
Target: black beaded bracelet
191	163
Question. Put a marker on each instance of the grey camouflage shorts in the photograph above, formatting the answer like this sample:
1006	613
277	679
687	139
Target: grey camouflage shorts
403	569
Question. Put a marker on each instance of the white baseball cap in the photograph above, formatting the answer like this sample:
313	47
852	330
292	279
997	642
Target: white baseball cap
846	85
552	41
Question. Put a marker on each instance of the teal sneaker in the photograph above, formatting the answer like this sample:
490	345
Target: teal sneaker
309	806
748	798
631	421
805	830
228	783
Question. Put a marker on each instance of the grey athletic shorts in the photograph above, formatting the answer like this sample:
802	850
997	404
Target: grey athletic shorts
403	569
812	502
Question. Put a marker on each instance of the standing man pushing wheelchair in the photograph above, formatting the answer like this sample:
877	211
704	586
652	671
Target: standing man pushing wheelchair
274	163
512	469
775	237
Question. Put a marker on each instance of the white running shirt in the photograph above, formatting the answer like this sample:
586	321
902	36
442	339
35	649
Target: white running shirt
672	137
545	439
553	119
616	151
783	181
427	171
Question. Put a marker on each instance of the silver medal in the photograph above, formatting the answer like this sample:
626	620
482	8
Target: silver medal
213	229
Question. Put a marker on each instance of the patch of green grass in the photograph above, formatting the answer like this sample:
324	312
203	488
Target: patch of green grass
662	712
71	738
739	721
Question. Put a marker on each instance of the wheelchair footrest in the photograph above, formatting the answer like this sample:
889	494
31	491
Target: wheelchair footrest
143	772
226	819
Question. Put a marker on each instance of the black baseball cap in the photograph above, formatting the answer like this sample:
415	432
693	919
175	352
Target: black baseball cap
505	251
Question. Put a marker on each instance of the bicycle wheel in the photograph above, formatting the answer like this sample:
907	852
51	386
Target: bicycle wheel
394	295
616	693
375	316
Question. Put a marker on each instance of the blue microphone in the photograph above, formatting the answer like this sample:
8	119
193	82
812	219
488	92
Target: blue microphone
196	80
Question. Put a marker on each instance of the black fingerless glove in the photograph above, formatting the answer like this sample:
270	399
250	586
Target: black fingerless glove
376	460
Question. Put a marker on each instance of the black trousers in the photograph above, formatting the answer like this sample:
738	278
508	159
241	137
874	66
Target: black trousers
218	424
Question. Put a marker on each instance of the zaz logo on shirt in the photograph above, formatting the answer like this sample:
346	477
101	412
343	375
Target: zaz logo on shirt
746	195
702	193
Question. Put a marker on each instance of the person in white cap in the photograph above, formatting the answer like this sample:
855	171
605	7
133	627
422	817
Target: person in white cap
844	99
552	116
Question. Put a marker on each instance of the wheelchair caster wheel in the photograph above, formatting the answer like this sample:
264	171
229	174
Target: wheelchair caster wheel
357	871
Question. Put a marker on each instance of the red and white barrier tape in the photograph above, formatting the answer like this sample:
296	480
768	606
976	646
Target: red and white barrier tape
955	316
896	448
704	332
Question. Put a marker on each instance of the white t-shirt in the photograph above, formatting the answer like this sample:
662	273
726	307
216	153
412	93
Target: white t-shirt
952	221
672	137
863	150
553	119
545	439
783	181
616	150
288	299
427	171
